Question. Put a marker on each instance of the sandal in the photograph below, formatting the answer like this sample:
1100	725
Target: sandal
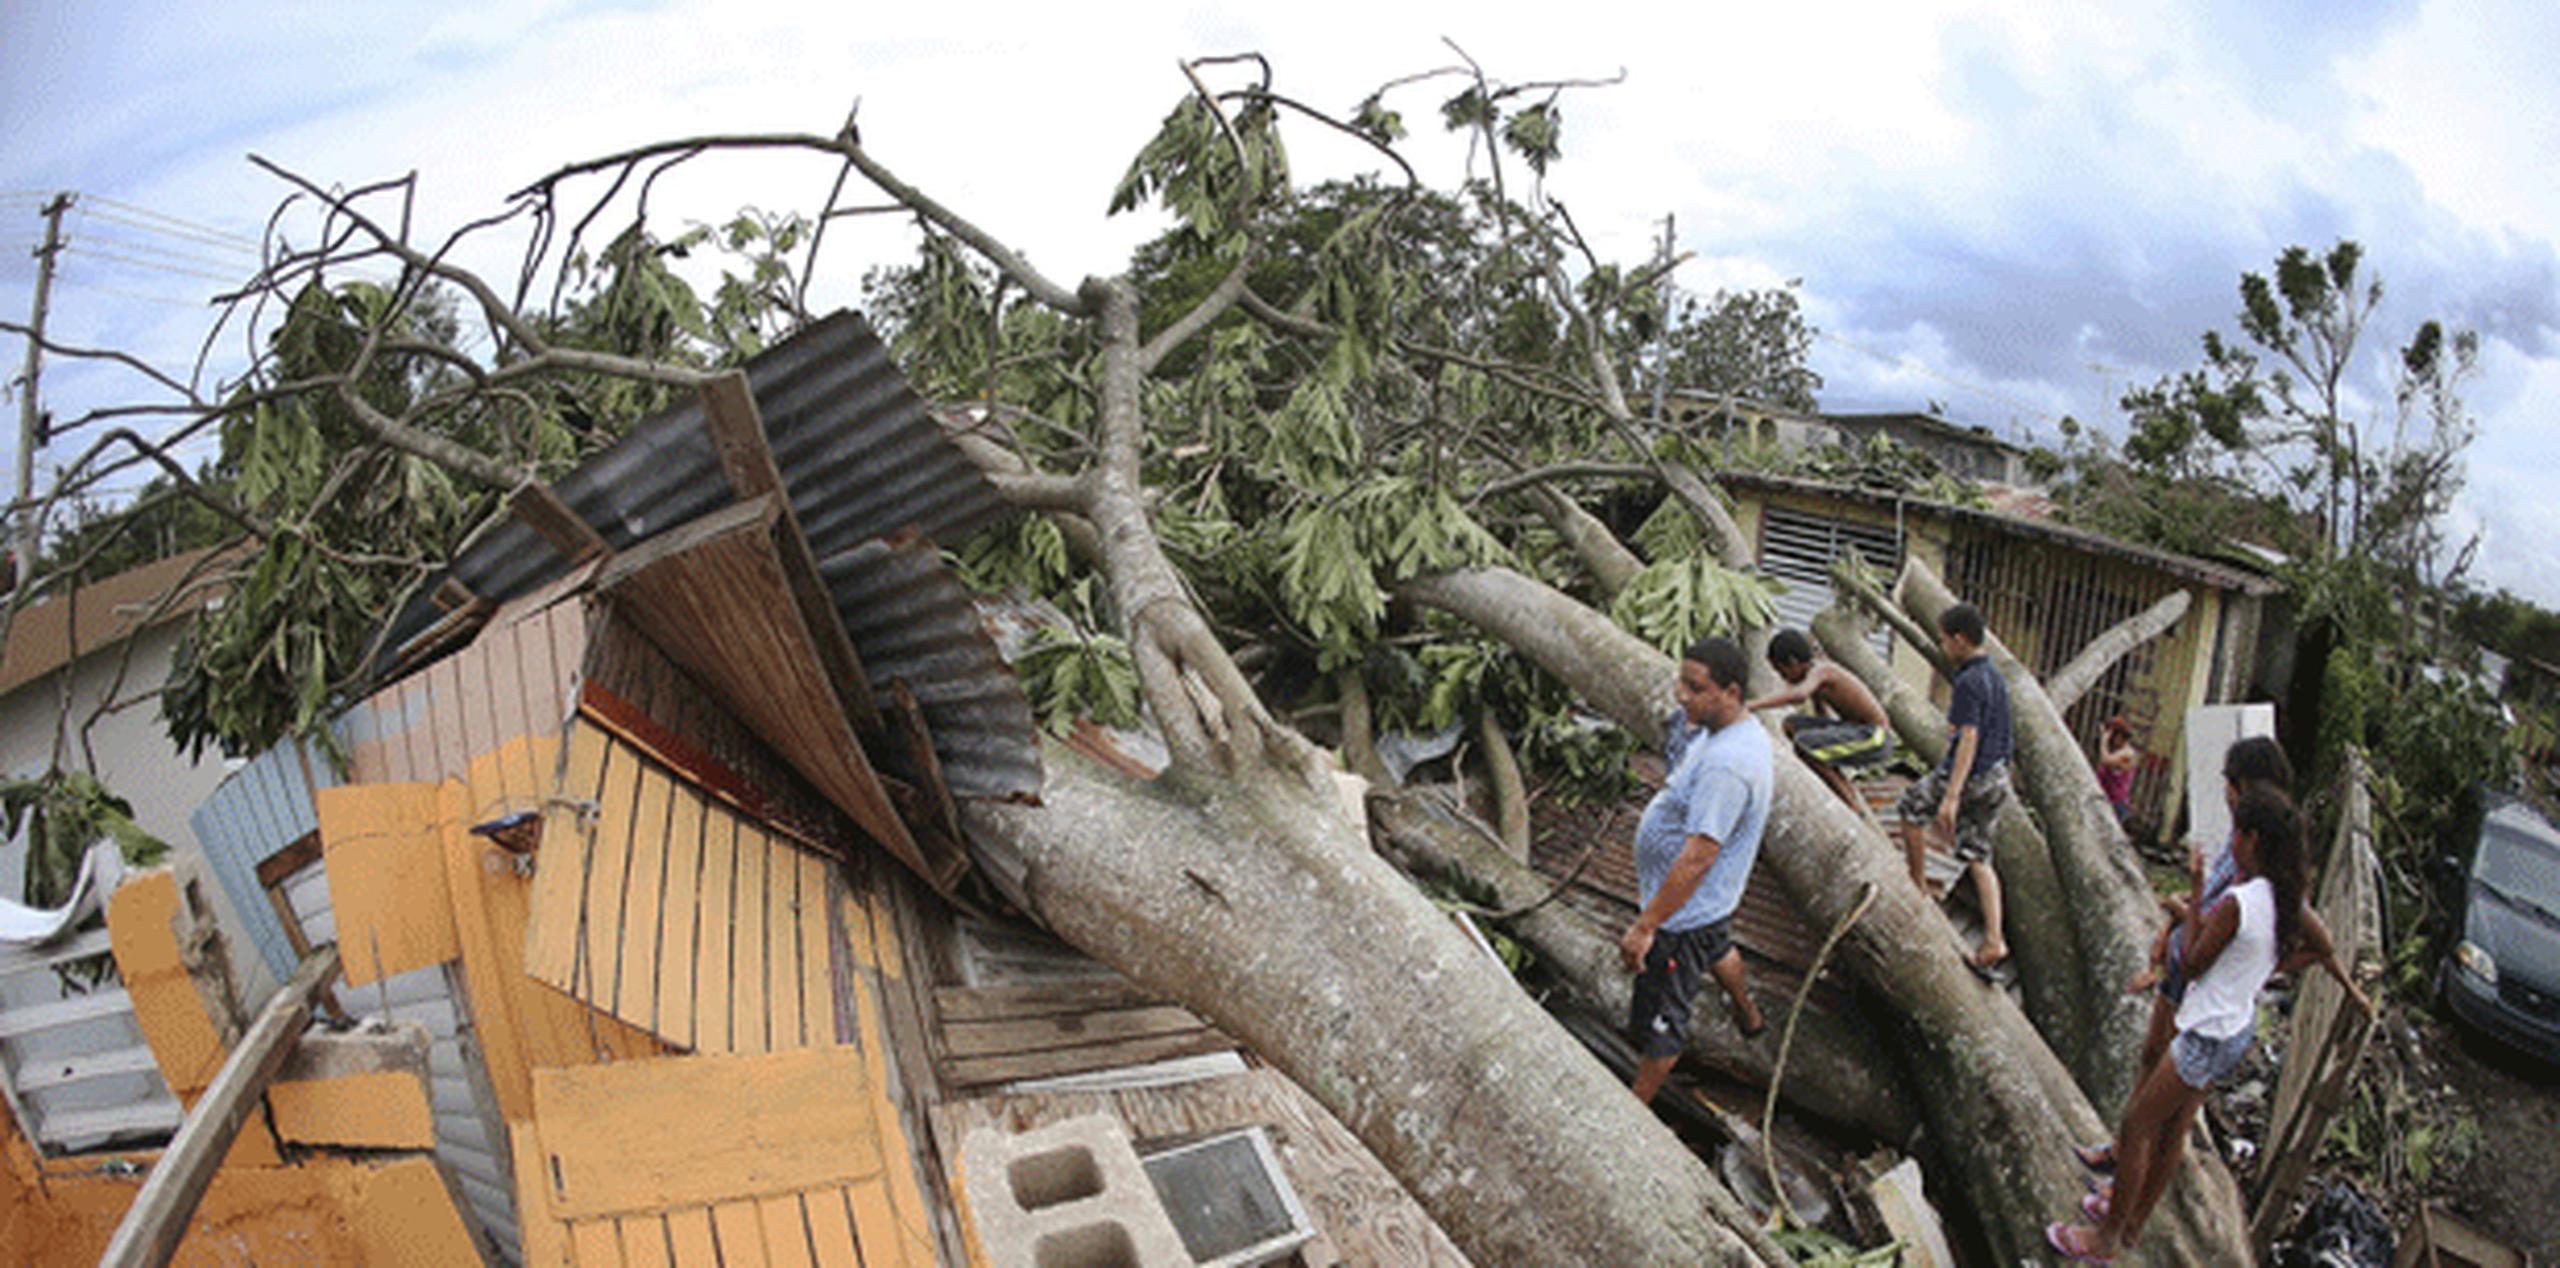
2060	1237
2094	1205
2098	1158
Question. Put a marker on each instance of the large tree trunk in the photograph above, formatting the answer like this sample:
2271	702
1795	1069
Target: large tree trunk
1268	914
1835	1072
2039	921
1236	885
2073	680
2003	1108
2112	905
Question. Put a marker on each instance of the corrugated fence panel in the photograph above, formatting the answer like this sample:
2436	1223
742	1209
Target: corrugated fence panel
262	808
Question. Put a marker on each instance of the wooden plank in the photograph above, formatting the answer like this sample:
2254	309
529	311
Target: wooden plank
158	1218
608	864
380	1110
782	948
447	741
999	1003
596	1244
690	1237
817	966
713	1017
875	1223
502	676
786	1231
635	997
634	1136
831	1229
644	1242
558	878
280	866
963	1039
747	944
715	596
1013	1066
679	919
740	1228
383	849
539	1232
409	1214
899	1163
541	510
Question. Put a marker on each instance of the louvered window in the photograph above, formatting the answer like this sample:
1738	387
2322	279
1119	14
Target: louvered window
1798	549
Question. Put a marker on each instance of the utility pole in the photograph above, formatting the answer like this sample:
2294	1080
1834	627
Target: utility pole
22	539
1662	330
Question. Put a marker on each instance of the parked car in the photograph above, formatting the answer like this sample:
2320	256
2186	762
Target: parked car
2503	975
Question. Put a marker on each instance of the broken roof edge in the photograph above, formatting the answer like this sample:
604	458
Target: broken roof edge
44	636
2219	576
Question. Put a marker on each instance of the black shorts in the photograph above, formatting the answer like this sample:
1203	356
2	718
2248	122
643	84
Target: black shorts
1842	745
1667	986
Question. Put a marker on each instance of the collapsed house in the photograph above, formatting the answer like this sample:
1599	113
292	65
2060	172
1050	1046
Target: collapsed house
638	923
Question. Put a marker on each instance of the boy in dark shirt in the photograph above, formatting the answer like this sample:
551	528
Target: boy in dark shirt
1962	797
1850	731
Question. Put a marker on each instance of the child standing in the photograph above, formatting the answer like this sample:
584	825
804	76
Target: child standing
2233	945
2117	757
1962	797
1854	735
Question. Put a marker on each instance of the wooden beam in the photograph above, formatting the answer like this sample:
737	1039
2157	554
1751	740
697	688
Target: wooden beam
737	433
157	1221
544	513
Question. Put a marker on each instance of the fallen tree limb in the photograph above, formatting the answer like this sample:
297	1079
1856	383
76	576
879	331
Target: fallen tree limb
157	1220
1275	920
1844	1076
2004	1109
2067	684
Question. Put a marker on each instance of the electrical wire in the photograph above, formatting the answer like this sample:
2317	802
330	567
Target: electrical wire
156	265
218	242
157	251
193	226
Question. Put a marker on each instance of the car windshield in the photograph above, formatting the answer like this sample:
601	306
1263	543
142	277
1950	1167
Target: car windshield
2520	866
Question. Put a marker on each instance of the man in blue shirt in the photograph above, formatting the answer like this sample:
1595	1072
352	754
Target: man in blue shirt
1961	799
1694	850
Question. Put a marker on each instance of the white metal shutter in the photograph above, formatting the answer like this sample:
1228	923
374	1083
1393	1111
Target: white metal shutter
1798	548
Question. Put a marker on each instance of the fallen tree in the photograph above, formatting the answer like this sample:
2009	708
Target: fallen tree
2002	1109
2066	685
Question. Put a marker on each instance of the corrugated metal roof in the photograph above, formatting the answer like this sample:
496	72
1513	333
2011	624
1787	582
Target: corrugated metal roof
914	621
861	459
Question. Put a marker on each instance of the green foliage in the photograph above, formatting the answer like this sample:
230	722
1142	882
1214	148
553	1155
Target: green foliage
92	539
1027	554
1752	344
1815	1248
62	814
1583	758
1211	176
1070	675
1680	600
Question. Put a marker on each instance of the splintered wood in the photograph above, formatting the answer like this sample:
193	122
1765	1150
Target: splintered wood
670	910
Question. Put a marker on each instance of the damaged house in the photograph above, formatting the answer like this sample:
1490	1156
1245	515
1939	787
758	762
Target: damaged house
630	920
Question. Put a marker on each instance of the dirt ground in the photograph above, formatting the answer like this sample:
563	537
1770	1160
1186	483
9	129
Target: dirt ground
2510	1186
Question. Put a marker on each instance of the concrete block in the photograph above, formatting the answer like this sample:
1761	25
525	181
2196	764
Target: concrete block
1068	1195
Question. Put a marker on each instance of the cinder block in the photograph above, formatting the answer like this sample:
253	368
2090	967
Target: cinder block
1068	1195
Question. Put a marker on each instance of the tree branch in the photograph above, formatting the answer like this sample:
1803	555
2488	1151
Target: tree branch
2069	683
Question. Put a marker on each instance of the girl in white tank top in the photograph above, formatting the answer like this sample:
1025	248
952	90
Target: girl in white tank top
2233	948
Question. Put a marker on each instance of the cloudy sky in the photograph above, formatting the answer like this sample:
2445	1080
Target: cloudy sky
2015	210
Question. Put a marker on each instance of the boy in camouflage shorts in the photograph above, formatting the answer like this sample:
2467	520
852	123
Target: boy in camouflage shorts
1961	798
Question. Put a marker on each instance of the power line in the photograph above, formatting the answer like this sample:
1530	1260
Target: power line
112	292
158	265
179	222
157	251
208	241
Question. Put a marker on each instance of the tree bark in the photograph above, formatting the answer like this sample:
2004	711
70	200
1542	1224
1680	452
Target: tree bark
1612	565
1510	791
2113	909
2002	1106
2039	921
1836	1072
1284	929
2073	680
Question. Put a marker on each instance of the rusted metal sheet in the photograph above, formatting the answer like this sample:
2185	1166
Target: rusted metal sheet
861	458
